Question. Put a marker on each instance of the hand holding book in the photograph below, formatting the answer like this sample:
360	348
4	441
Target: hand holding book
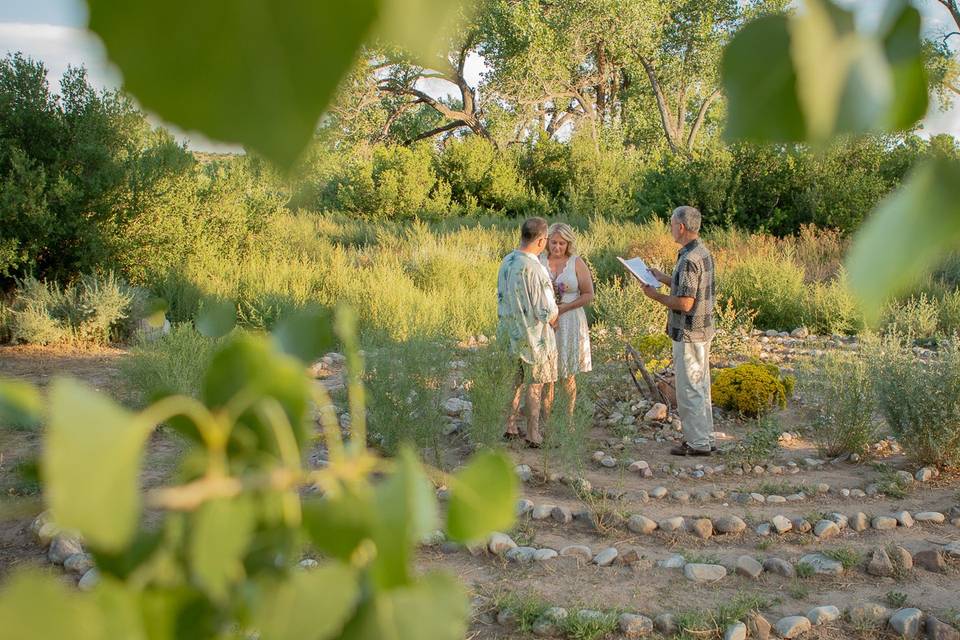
639	270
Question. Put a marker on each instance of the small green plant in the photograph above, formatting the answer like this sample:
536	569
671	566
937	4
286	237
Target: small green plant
797	589
920	398
896	599
846	556
761	442
764	544
490	376
577	627
173	364
839	385
527	609
804	570
752	389
696	557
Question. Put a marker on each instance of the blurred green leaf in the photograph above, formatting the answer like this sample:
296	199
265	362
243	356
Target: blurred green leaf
35	606
420	26
435	608
337	526
220	534
253	72
483	497
900	32
249	363
310	605
760	83
120	610
406	510
178	613
306	334
20	404
95	444
906	234
812	75
216	318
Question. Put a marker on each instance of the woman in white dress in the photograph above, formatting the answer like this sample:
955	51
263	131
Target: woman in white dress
573	286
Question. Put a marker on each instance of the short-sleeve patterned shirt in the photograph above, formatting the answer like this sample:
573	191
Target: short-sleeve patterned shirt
692	278
525	306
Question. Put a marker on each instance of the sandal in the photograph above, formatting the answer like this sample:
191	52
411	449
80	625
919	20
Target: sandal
511	436
533	445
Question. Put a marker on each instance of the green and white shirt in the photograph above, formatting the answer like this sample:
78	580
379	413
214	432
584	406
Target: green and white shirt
525	306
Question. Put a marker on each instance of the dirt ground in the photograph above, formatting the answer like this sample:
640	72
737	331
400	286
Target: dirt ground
641	587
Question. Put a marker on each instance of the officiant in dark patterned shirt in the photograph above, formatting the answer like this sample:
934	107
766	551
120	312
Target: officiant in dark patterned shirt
690	325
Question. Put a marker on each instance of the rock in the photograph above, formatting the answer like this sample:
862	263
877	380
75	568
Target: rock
858	493
609	462
763	529
904	477
671	524
89	580
638	466
524	472
902	558
634	626
884	523
656	413
729	524
563	515
578	551
796	497
606	557
924	474
823	487
931	560
451	547
79	563
500	543
681	496
524	507
641	524
930	516
631	556
904	518
675	561
826	529
702	528
542	511
800	525
506	617
522	555
823	615
779	567
800	333
598	456
937	630
658	492
880	564
907	622
544	629
792	626
665	624
704	572
776	499
749	567
868	613
757	626
555	614
457	407
736	631
952	550
588	615
839	519
781	524
859	522
46	533
542	555
62	547
758	497
821	564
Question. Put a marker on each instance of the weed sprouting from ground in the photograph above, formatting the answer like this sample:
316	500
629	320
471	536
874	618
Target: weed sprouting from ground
846	556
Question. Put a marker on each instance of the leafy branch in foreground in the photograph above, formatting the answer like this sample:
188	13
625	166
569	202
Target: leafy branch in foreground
222	560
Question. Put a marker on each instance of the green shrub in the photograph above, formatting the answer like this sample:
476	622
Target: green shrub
626	311
762	441
751	389
481	177
171	364
920	398
832	309
6	322
93	310
949	314
839	386
490	375
916	318
406	383
770	285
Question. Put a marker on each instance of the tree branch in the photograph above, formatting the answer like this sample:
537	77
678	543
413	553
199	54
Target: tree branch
666	118
701	115
450	126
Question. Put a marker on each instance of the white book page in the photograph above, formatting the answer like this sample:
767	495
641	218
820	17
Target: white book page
639	269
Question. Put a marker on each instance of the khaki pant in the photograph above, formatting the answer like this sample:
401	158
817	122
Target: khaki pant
692	363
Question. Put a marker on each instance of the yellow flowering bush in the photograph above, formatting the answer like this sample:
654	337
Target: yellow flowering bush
751	389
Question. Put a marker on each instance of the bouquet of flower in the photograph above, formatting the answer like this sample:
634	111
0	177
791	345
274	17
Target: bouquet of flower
558	290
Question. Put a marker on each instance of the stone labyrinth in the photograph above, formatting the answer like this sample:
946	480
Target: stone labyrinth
637	543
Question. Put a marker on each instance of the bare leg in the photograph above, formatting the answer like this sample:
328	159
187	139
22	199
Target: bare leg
513	419
534	393
546	407
570	384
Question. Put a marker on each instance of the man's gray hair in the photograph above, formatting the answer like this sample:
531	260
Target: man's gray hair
689	217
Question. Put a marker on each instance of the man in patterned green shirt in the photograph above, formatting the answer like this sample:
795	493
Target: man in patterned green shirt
526	308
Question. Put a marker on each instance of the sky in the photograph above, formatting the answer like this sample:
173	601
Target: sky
53	31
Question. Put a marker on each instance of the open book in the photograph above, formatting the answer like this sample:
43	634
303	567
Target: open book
640	271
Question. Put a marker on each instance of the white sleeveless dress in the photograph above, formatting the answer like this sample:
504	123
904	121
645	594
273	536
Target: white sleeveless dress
573	333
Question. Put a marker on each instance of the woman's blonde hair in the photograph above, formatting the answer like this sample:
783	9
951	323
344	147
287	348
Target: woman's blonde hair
566	232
